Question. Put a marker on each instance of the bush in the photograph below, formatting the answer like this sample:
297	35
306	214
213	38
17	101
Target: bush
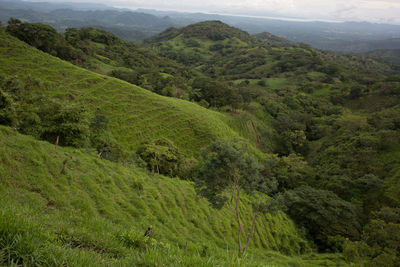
65	121
262	83
42	117
134	240
7	110
161	156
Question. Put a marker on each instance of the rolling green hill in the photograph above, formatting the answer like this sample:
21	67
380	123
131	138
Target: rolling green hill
224	52
89	214
316	131
136	115
67	206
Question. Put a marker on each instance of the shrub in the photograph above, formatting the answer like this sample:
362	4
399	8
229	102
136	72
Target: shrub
161	156
68	122
7	110
134	240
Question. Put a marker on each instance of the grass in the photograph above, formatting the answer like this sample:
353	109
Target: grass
277	83
325	90
136	115
84	216
95	213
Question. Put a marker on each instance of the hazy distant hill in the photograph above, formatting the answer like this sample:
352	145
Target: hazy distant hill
346	36
389	55
142	23
359	46
49	6
128	25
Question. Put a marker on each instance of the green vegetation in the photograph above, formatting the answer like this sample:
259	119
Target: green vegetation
97	211
294	149
135	115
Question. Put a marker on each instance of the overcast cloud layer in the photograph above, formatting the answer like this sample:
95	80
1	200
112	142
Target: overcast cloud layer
382	11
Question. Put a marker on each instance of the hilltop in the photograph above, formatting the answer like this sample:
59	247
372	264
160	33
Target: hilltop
211	30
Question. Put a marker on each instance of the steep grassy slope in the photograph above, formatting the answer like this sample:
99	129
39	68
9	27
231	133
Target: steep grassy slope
95	213
135	115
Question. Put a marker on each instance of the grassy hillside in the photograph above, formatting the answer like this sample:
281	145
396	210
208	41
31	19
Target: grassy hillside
95	213
328	125
136	115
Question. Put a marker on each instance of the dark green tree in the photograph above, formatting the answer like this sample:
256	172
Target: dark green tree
322	213
38	35
7	110
228	166
162	156
66	122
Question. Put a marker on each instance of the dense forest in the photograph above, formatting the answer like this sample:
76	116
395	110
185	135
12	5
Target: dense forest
238	149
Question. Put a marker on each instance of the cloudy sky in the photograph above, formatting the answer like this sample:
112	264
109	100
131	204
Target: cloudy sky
382	11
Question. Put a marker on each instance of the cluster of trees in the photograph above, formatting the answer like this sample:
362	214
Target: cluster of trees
163	157
45	38
327	173
60	121
84	46
215	93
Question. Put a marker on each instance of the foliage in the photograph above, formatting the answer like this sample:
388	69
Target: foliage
290	172
322	213
103	141
68	123
7	109
44	118
330	119
38	35
45	38
221	163
162	156
98	212
379	245
226	165
216	93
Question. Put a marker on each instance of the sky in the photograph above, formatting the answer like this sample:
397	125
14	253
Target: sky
380	11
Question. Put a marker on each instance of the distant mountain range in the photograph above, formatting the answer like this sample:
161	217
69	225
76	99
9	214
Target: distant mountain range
132	25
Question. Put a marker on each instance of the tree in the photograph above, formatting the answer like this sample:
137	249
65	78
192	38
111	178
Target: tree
38	35
67	121
227	165
162	156
322	213
379	246
356	91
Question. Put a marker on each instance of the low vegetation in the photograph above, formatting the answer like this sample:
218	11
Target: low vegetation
236	146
